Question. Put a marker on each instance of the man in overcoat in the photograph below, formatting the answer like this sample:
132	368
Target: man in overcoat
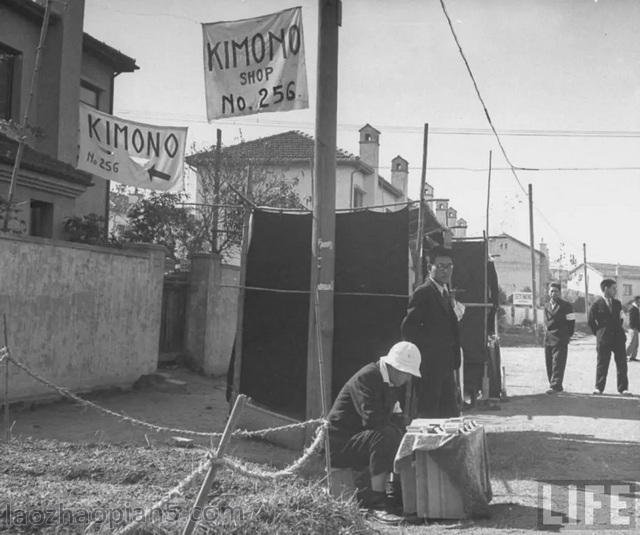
559	322
605	321
634	327
432	325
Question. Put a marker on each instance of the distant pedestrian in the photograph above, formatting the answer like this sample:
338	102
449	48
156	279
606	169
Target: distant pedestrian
605	320
634	327
559	322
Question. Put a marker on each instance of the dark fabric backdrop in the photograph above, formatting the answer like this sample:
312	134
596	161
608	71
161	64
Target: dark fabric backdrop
371	256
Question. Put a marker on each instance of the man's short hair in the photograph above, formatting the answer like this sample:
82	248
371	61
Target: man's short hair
607	283
636	298
432	254
555	285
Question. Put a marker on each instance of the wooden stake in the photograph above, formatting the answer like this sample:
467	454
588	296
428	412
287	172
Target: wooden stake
246	224
419	269
324	205
533	265
25	119
586	279
192	521
6	382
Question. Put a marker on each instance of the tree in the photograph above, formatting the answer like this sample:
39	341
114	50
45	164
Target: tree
160	218
222	192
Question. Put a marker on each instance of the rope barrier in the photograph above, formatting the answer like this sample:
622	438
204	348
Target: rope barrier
235	466
241	433
175	491
307	292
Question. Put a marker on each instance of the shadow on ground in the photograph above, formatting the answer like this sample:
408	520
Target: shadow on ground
571	404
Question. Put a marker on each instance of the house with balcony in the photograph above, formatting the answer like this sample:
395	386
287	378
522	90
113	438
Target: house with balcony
75	67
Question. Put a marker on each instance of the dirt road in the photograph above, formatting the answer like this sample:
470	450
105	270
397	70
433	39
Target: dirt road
533	438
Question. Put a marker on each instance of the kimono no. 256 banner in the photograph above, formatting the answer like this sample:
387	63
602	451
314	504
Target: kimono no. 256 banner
255	65
135	154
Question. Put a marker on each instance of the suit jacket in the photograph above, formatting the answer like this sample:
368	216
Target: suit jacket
431	324
634	318
607	324
364	402
559	323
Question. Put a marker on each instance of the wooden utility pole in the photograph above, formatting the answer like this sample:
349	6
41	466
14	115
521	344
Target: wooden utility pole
419	271
586	278
486	255
324	216
215	218
533	262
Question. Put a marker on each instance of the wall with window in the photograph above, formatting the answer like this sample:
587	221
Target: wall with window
18	38
95	88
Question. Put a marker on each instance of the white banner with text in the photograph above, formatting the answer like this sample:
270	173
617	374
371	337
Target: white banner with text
131	153
255	65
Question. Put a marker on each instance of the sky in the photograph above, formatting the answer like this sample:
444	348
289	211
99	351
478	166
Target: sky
548	66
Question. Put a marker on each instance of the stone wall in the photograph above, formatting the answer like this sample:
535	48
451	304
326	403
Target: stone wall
83	317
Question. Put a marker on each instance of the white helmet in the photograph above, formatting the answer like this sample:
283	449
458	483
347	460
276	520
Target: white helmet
404	356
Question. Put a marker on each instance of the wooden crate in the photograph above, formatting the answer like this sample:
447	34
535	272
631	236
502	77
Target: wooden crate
427	491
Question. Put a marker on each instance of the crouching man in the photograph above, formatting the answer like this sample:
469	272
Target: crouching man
362	432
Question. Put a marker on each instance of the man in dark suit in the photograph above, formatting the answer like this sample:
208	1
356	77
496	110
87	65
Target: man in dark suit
559	322
634	327
432	325
605	321
362	429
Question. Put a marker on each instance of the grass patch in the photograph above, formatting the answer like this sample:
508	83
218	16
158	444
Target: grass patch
53	487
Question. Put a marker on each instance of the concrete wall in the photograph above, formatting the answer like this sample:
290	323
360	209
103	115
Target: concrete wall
211	316
83	317
513	265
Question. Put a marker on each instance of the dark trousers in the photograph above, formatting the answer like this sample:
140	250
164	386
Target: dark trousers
602	367
373	448
555	357
437	395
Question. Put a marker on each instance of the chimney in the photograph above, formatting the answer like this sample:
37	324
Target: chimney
442	208
428	191
400	174
452	217
461	231
370	147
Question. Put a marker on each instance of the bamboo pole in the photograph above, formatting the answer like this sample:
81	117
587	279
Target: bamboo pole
25	119
533	266
246	224
419	269
192	521
6	381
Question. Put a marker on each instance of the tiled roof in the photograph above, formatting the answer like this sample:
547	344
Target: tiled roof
119	61
609	270
286	147
41	163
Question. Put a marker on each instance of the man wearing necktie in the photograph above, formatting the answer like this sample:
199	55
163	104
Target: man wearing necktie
559	322
605	321
431	323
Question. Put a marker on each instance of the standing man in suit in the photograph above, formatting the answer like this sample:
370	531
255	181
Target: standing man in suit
605	321
634	327
559	322
432	325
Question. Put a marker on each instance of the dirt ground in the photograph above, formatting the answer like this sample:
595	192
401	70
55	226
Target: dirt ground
533	438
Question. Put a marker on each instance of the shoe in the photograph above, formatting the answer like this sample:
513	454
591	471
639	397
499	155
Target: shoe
552	391
625	393
597	392
633	359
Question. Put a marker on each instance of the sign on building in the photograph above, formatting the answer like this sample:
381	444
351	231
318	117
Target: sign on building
255	65
523	299
135	154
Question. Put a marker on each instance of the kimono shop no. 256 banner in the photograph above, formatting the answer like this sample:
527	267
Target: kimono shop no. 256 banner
255	65
131	153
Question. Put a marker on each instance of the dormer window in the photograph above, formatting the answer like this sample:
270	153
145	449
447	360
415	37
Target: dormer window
367	137
398	167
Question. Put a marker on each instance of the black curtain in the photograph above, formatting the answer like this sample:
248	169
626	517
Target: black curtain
371	257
